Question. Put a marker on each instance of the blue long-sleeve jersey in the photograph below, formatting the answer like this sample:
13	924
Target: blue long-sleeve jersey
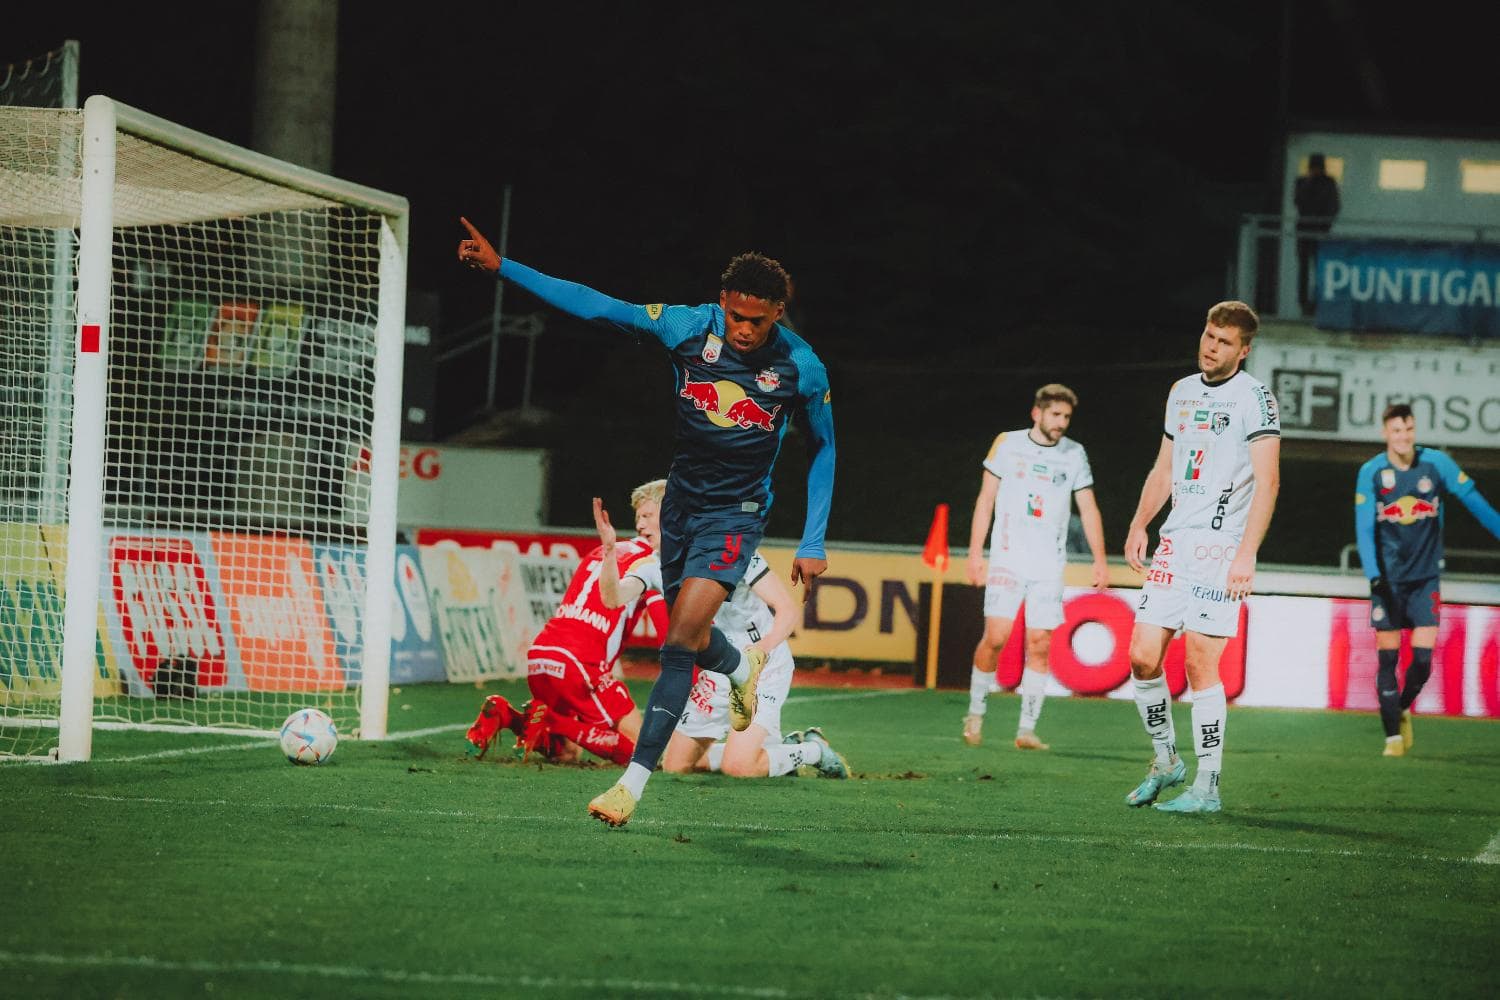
733	409
1398	514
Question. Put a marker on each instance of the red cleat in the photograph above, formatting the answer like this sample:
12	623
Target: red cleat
537	734
496	714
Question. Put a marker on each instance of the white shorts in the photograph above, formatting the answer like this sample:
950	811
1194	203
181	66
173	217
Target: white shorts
707	713
1007	590
1187	584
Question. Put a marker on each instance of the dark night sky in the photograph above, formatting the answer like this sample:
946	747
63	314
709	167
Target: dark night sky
972	198
972	165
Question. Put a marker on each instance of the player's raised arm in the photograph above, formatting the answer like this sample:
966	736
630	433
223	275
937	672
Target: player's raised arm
476	251
578	300
614	592
1154	493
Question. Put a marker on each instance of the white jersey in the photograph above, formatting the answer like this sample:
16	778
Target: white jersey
742	611
1034	500
1211	427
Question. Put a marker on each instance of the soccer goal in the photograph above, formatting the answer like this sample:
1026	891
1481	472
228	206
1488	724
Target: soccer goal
200	388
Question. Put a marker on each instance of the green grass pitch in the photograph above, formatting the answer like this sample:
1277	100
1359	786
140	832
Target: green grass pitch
177	866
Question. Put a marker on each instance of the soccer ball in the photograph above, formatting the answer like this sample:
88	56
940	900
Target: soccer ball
308	736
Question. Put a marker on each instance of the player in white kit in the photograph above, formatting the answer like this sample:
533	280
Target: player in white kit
1031	479
760	613
1219	462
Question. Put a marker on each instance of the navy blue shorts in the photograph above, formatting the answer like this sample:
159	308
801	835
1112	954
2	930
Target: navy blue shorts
1405	604
713	544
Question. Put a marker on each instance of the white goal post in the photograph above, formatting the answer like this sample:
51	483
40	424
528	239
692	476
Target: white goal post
200	392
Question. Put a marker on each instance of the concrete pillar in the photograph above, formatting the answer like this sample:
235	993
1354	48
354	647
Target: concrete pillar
296	69
296	66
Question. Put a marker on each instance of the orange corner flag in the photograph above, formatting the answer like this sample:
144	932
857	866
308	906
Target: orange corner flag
936	552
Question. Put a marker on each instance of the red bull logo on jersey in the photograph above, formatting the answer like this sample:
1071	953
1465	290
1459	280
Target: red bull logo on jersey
1194	467
726	405
769	380
1407	510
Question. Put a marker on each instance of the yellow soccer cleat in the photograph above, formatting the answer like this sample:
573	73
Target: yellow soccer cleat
972	725
742	700
614	806
1394	748
1026	739
1406	735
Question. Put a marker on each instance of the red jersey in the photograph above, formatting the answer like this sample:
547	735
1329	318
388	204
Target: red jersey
583	627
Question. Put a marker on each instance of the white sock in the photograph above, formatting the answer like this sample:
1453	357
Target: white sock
740	674
1033	693
1393	739
716	757
1154	701
785	758
1209	716
979	688
634	779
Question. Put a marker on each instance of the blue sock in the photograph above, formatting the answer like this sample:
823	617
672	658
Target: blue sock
1388	691
664	707
1417	673
719	655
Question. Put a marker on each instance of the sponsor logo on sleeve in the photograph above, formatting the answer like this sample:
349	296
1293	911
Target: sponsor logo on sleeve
654	311
712	348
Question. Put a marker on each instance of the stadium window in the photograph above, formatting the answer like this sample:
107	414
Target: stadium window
1403	175
1332	165
1480	176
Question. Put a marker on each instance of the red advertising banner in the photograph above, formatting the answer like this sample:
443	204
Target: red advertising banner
1465	660
1114	611
277	613
166	608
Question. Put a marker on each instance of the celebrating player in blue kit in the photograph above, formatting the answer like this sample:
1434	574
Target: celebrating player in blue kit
739	378
1398	523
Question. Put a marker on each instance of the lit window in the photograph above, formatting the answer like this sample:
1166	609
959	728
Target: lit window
1333	166
1403	175
1480	176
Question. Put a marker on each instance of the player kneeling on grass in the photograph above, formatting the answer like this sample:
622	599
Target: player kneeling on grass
576	699
759	614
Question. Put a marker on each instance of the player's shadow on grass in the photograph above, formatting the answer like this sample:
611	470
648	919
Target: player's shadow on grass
749	848
1363	834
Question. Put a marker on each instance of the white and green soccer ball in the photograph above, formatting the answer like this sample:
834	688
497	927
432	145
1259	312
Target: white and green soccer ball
308	736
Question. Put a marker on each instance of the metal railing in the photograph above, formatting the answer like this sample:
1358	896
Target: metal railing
1346	553
1265	264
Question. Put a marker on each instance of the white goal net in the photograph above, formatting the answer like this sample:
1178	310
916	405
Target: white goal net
199	411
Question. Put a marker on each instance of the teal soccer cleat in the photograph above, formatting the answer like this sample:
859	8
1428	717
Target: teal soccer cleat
1191	801
1156	781
832	764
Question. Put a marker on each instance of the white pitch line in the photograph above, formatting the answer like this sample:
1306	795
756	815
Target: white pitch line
1491	853
699	824
362	973
798	699
186	752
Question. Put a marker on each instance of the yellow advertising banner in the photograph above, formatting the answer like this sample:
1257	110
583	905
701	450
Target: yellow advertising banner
32	572
866	606
107	673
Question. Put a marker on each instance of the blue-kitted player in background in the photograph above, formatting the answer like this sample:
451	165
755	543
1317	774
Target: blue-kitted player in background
1398	523
739	377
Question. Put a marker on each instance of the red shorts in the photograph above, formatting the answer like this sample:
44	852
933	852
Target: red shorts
557	677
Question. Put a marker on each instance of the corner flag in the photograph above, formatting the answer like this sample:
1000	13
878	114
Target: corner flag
935	555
